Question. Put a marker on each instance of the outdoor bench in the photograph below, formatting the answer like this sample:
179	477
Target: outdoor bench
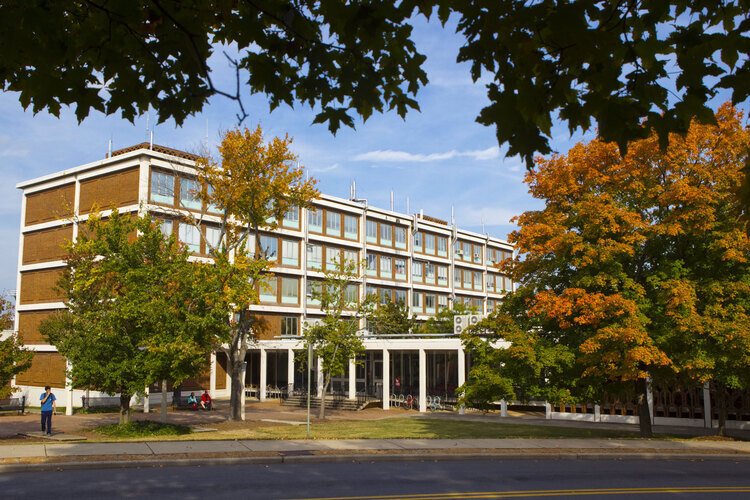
13	404
100	402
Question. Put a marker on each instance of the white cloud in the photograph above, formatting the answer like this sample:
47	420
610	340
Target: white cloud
324	169
390	156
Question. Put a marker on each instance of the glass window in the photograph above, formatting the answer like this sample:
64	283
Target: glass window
467	279
385	267
290	253
351	295
351	231
429	273
189	190
442	246
372	264
212	238
477	254
269	247
352	256
467	251
417	242
213	207
429	303
386	234
314	256
289	325
477	280
386	295
416	301
333	258
416	271
400	296
166	226
400	236
162	187
457	277
291	218
315	220
372	231
289	290
490	305
268	292
490	282
313	288
457	252
442	302
333	223
190	236
442	275
507	255
490	252
371	290
429	244
399	266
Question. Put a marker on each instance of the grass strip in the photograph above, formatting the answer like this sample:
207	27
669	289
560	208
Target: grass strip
142	429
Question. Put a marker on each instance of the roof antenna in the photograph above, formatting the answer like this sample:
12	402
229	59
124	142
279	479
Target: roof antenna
391	200
109	149
483	225
453	217
151	144
148	117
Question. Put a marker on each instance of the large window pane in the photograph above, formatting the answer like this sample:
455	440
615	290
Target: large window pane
416	302
442	246
351	295
289	290
268	292
289	326
291	218
162	187
314	256
429	244
212	237
351	230
400	237
442	275
189	190
417	242
399	266
416	271
429	273
166	226
477	280
477	254
333	223
333	258
429	303
385	267
290	253
269	247
372	264
371	231
190	236
352	256
313	288
315	220
400	296
386	234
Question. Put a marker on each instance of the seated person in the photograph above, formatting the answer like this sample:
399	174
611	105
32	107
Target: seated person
206	403
192	402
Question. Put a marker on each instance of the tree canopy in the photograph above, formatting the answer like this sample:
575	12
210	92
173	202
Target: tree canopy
14	359
138	311
637	267
618	64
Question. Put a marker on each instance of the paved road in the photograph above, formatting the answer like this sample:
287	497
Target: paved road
427	480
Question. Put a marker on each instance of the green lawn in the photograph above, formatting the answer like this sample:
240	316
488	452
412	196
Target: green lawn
142	429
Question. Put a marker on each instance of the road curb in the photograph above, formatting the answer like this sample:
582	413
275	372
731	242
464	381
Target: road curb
362	457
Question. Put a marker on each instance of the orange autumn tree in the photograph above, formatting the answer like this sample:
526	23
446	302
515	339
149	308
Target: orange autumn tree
250	190
638	265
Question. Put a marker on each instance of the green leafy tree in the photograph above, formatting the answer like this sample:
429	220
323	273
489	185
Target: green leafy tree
336	340
391	318
442	321
251	189
14	359
616	64
138	311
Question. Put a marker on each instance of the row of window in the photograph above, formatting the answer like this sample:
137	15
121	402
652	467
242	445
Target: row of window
429	273
331	223
312	294
428	303
280	290
331	256
191	236
181	191
431	244
385	234
386	267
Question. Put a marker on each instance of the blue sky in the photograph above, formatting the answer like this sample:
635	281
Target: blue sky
437	157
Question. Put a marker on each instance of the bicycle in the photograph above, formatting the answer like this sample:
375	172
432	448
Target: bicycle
411	402
435	403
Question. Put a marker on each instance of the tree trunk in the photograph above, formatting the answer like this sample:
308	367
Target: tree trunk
125	408
236	358
322	412
644	415
721	400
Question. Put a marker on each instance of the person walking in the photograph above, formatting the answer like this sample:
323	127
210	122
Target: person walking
48	408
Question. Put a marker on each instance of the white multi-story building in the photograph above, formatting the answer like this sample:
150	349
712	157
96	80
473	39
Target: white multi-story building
427	263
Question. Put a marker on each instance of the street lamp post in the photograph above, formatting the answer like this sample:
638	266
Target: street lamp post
309	378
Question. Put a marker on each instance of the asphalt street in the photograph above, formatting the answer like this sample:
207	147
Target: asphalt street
433	480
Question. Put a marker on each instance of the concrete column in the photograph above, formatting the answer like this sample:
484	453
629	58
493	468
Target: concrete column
69	389
289	371
212	380
263	375
320	377
352	379
422	381
386	379
707	412
163	401
461	375
503	408
243	371
547	411
597	413
650	399
146	401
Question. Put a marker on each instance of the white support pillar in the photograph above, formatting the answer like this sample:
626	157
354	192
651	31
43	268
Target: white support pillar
352	379
289	371
547	411
146	401
243	372
503	408
163	401
386	379
707	411
212	377
650	399
461	375
597	413
263	375
69	388
422	381
320	377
